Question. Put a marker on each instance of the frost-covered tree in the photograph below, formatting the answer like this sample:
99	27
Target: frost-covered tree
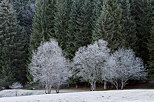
89	61
122	66
49	66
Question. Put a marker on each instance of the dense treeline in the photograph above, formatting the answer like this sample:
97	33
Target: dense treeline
24	24
15	31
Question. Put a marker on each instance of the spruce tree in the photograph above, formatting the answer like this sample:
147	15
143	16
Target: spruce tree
112	26
151	53
24	12
141	11
151	44
43	23
14	46
82	18
8	31
62	19
6	70
83	23
129	25
20	55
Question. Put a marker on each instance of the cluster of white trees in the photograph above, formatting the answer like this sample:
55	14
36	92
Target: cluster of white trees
93	63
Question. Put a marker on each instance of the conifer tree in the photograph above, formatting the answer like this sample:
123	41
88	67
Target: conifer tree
20	55
151	53
62	19
83	23
82	18
6	71
129	25
43	23
14	46
8	31
141	11
111	25
24	11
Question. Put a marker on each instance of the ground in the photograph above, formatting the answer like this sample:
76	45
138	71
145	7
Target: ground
96	96
21	92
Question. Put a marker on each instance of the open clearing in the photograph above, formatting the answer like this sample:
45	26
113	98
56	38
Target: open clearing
96	96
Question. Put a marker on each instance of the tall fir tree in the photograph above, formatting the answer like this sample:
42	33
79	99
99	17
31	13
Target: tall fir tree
24	11
115	25
151	54
82	18
43	23
62	18
20	56
151	45
6	71
14	46
129	25
141	11
8	31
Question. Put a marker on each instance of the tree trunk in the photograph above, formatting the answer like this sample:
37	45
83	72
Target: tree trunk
93	86
116	85
57	89
117	88
122	85
76	86
48	89
105	83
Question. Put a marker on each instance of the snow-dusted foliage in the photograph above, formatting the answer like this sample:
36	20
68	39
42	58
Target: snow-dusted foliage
122	66
16	85
89	61
49	66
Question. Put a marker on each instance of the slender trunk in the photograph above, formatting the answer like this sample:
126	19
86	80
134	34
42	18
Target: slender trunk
105	83
16	93
57	89
117	88
76	86
116	85
48	89
93	86
122	84
68	85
